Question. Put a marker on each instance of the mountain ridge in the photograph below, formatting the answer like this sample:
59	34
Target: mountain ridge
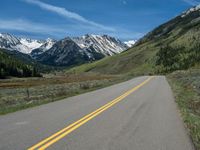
23	45
32	44
90	46
172	46
83	49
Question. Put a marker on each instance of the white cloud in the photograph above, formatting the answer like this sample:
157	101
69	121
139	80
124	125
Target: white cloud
62	31
27	26
192	2
68	14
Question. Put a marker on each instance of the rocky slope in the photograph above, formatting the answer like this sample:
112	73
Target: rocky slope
66	53
78	50
105	44
23	45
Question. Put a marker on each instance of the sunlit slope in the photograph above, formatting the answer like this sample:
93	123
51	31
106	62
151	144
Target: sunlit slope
172	46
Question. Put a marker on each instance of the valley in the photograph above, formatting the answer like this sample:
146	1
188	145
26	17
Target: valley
35	72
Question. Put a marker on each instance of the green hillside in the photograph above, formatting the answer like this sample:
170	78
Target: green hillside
172	46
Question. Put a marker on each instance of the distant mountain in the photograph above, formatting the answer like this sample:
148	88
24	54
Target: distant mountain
105	44
30	44
44	47
84	49
24	45
130	43
174	45
65	53
78	50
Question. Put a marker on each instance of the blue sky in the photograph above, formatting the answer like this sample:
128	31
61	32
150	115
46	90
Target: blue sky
124	19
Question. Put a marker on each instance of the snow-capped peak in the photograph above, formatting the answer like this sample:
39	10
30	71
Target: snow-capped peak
89	44
49	40
8	39
103	44
24	45
130	43
48	44
196	8
30	44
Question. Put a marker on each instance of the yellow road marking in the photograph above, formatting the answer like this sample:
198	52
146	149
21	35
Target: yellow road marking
64	132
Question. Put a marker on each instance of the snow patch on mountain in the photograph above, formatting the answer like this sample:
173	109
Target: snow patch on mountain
104	44
48	44
30	44
10	42
196	8
23	45
79	50
91	46
7	40
130	43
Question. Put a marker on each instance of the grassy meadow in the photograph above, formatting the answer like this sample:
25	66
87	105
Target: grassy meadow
21	93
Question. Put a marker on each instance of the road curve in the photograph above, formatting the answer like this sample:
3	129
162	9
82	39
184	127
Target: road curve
139	114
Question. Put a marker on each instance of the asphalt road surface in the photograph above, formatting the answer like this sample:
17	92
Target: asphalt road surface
139	114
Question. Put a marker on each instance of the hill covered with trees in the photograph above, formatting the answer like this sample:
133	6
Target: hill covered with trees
11	66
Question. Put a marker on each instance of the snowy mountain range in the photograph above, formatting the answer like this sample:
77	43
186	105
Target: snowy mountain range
78	50
68	51
23	45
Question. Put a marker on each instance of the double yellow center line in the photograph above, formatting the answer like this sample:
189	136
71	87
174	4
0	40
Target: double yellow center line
64	132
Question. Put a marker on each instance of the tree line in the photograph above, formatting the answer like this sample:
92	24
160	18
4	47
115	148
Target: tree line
171	58
10	66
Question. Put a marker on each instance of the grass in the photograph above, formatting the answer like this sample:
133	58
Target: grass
135	61
51	79
186	87
17	94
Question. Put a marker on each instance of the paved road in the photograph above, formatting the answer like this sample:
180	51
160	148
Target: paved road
144	118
